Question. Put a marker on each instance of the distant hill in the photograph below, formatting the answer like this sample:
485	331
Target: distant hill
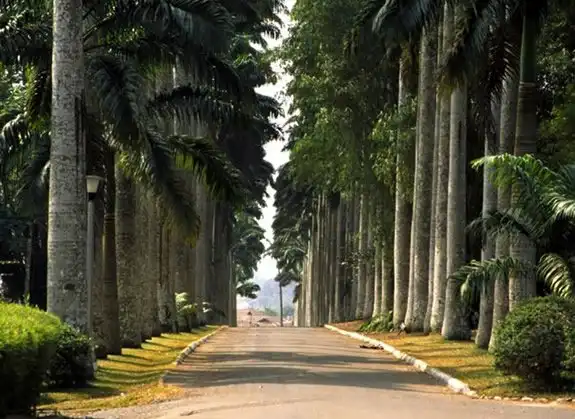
268	296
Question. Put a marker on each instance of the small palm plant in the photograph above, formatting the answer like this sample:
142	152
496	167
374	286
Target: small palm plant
545	214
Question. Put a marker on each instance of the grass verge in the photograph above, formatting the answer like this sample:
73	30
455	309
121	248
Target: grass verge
462	360
132	378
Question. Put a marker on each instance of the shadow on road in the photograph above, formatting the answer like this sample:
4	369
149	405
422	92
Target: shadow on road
294	356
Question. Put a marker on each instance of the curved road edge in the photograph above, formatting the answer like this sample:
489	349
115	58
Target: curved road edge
452	383
191	348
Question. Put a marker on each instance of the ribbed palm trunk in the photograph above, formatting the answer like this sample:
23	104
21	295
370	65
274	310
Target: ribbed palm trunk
110	314
353	249
506	141
166	296
221	281
315	277
454	323
522	286
152	311
348	268
423	180
128	284
378	280
362	264
387	276
440	230
331	267
143	262
67	294
488	251
201	251
97	300
370	265
430	295
403	212
310	295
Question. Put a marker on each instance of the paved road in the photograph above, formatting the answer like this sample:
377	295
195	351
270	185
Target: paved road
273	373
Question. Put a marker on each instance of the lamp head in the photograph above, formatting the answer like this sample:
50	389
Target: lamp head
92	185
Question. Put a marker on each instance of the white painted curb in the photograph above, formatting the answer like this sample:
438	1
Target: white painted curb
453	383
193	346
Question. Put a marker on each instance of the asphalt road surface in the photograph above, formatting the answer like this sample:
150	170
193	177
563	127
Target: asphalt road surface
296	373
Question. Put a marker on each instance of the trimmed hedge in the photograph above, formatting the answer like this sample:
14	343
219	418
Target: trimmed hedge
536	341
36	348
28	340
72	364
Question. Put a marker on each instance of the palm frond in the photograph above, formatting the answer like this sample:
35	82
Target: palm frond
476	273
556	272
154	167
210	165
511	223
26	38
190	105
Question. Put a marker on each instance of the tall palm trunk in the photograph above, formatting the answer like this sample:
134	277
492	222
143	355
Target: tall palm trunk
403	210
506	141
441	217
378	280
522	286
387	276
369	265
339	269
152	311
128	284
97	289
201	250
110	315
166	295
67	295
423	180
454	323
144	262
362	250
488	251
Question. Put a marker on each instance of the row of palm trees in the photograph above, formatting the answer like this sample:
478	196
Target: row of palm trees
157	97
389	234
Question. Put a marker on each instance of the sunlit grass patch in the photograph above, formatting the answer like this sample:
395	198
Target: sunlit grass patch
461	359
129	379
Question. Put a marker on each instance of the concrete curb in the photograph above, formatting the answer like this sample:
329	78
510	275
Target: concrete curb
189	349
194	345
454	384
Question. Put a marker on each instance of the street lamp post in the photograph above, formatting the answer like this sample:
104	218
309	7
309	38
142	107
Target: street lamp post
92	186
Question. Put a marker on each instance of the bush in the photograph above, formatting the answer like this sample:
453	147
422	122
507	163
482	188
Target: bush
72	364
537	341
379	323
28	340
187	312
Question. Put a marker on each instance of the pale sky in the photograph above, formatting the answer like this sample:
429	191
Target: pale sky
274	154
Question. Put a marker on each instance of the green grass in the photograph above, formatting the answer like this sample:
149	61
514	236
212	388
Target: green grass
132	378
462	360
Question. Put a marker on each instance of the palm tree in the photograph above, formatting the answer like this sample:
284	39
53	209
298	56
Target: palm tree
543	214
67	287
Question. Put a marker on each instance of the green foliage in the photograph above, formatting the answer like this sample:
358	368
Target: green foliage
28	340
379	324
73	363
544	213
247	250
187	312
536	341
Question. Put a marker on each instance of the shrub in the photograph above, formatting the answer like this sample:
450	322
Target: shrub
28	339
187	312
72	364
536	341
379	323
